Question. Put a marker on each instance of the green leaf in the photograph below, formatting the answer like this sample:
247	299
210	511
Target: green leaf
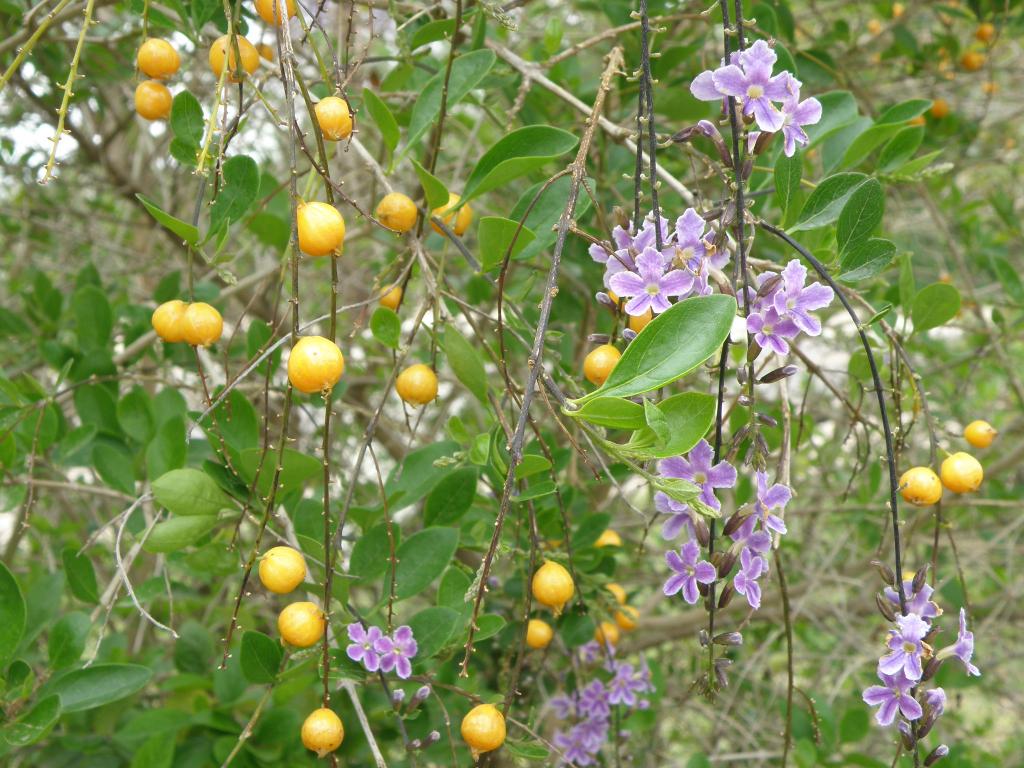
515	155
371	554
683	491
465	361
296	469
466	73
934	305
185	231
541	215
495	234
190	492
135	415
260	657
433	627
416	476
861	215
827	200
178	533
838	109
904	111
422	558
67	639
488	625
167	450
433	31
157	751
187	121
451	498
688	417
80	574
434	189
901	147
33	725
237	193
907	286
673	344
386	326
788	172
94	319
238	422
865	143
866	259
532	464
97	685
113	462
656	422
854	725
382	117
612	412
532	751
12	615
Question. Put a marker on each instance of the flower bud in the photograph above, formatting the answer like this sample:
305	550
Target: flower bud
432	738
397	697
885	607
721	665
778	374
885	572
728	638
621	217
741	374
931	668
919	579
598	338
745	401
768	286
726	596
703	533
753	350
935	755
735	522
710	130
605	301
725	564
906	736
702	637
768	421
764	140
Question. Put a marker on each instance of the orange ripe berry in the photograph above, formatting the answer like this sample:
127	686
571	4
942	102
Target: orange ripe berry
334	118
638	322
538	634
618	592
322	732
169	320
972	61
417	384
270	10
152	100
939	109
920	487
391	298
282	569
203	324
627	618
980	434
315	364
898	9
874	26
222	53
157	59
301	624
985	33
321	228
456	222
598	365
553	586
608	538
607	633
919	120
265	51
989	88
961	473
483	729
397	212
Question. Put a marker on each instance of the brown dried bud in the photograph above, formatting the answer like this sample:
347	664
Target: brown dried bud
702	638
728	638
778	374
919	579
885	572
753	350
726	596
725	564
935	755
735	521
703	533
764	139
885	607
621	217
768	421
930	669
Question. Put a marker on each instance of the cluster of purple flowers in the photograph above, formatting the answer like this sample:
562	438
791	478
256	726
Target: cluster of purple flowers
909	661
752	531
772	101
636	269
377	651
589	708
781	307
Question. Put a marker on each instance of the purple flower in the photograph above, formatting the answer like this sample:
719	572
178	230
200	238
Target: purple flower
625	685
905	647
650	286
892	697
769	499
771	331
795	115
793	301
745	581
680	517
593	651
917	602
564	706
697	469
594	700
936	700
753	84
963	649
757	541
395	652
363	647
693	251
627	246
688	572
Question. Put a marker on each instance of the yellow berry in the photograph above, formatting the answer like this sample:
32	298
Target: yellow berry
553	586
898	9
598	364
874	26
627	618
157	59
315	364
282	569
391	298
397	212
980	434
152	100
961	473
321	228
456	222
417	384
322	732
618	592
203	324
608	538
939	109
919	120
638	322
483	729
972	61
989	88
538	634
270	10
921	486
301	624
169	320
223	51
607	633
985	33
265	51
334	117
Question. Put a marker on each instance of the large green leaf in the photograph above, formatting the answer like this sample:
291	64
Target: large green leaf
12	615
788	172
416	475
866	259
386	327
515	155
239	190
33	725
381	115
465	361
296	468
827	201
97	685
612	412
67	639
861	215
94	319
495	234
185	231
433	188
673	344
432	628
467	72
687	417
80	574
451	498
190	492
260	657
371	554
422	558
179	532
934	305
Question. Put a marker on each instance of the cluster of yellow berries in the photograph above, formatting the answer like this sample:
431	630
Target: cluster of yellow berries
158	61
198	323
960	472
301	624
